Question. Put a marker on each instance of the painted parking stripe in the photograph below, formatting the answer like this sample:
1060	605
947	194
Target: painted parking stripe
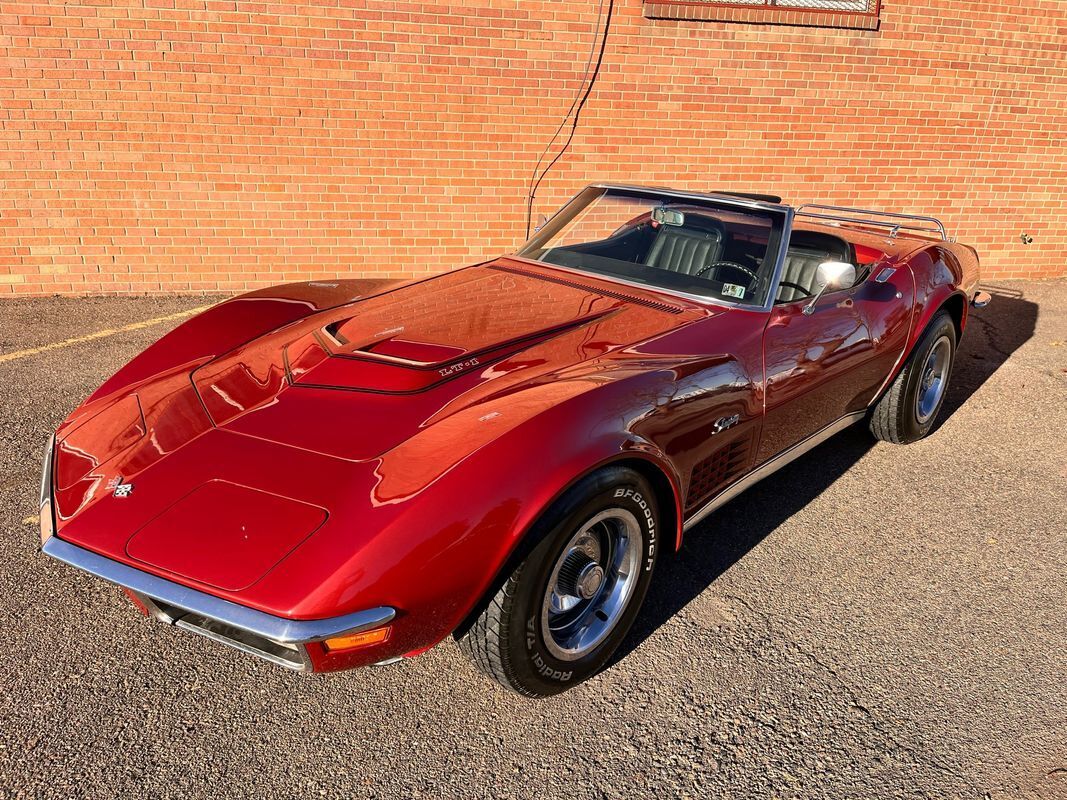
133	326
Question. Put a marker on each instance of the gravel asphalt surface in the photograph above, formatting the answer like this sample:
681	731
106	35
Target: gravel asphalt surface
873	621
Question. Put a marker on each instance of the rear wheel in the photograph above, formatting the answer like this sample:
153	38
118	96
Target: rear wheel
907	411
561	614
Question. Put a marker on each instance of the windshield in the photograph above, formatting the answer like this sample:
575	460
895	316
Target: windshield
706	248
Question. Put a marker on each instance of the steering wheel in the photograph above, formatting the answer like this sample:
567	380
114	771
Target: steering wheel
796	286
716	265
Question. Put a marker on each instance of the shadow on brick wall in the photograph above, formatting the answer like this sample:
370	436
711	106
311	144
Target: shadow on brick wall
993	334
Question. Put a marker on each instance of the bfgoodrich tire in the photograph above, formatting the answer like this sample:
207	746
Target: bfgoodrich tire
908	410
562	613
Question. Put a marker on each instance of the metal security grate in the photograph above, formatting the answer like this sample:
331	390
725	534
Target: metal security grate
854	6
858	14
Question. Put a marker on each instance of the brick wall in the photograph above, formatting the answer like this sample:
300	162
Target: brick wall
161	145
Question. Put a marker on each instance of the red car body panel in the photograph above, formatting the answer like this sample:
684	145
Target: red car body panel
309	453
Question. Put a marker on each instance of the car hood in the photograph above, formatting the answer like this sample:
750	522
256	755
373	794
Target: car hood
373	393
360	380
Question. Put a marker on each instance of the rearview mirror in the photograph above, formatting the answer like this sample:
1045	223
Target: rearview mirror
831	275
667	216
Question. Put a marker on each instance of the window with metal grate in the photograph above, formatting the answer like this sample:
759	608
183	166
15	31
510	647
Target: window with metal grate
863	14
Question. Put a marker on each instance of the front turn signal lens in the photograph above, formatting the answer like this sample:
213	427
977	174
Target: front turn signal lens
352	641
45	521
45	504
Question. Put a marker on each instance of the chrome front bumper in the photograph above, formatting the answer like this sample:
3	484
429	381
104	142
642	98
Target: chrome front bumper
276	639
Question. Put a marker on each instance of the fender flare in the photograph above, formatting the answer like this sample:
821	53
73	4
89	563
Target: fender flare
936	276
235	321
934	302
526	540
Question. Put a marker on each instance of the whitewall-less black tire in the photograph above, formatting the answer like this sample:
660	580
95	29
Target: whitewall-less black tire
909	408
561	614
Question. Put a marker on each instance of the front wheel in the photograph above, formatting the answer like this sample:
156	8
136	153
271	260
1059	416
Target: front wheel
906	412
562	613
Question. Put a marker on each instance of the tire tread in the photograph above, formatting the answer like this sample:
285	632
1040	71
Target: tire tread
489	640
886	420
484	641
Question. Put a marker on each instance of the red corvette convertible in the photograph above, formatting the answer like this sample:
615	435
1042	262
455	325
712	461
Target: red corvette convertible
328	479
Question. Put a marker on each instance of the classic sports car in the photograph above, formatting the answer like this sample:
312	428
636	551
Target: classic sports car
328	479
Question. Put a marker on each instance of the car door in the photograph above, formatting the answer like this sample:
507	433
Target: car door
817	367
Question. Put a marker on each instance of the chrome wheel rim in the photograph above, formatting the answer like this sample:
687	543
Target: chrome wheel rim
933	380
591	584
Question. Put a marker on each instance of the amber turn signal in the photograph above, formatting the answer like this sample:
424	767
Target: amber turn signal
351	641
46	522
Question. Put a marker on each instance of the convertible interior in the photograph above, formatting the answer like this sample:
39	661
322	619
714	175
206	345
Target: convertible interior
705	251
700	250
808	249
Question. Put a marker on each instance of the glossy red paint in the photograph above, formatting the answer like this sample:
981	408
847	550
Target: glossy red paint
309	454
835	361
253	531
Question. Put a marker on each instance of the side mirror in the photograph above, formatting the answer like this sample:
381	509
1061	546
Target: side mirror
831	275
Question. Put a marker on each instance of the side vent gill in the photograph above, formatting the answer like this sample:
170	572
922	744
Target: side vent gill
717	469
576	284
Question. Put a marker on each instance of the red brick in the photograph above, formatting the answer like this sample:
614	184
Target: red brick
173	145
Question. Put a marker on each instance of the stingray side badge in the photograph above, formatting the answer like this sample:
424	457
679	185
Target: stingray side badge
723	423
120	489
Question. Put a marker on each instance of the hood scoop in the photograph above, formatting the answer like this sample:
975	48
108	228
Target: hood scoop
421	336
392	346
401	366
415	352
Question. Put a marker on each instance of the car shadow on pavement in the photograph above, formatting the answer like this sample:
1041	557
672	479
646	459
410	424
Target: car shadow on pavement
711	548
993	334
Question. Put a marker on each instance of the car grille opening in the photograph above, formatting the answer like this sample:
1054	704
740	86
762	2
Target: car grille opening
291	656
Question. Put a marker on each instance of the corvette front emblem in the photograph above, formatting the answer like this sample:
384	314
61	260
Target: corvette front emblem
121	489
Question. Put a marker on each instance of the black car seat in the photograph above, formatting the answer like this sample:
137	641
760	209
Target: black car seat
808	249
685	249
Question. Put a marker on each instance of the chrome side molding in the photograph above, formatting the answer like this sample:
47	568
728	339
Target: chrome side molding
259	623
773	465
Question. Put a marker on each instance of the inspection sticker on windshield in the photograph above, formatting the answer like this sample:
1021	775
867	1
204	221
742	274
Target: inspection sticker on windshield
733	290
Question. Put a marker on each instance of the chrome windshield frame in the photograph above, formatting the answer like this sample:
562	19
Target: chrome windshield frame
557	220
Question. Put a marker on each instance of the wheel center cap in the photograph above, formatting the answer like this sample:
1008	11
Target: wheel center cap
590	579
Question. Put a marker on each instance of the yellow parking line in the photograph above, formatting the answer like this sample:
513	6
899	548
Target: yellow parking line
133	326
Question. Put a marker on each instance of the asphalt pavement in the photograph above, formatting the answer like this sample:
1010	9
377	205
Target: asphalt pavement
874	621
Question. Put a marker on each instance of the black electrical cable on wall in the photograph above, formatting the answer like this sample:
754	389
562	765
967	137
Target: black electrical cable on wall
588	80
